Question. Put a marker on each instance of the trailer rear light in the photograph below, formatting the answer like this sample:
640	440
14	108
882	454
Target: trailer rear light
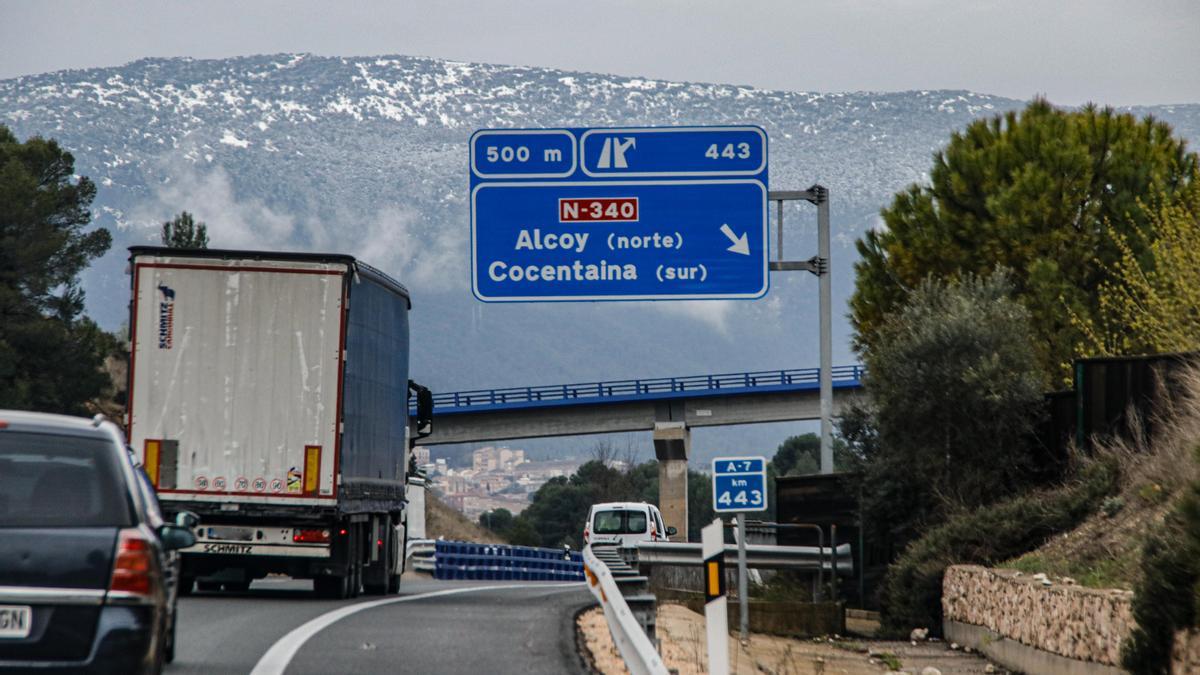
132	568
310	536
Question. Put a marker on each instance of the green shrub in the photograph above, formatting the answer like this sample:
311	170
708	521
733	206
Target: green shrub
1165	599
912	588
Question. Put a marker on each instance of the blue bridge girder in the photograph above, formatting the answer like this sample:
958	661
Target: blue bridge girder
626	405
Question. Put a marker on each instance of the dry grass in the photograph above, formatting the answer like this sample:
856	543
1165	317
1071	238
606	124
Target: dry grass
443	522
1105	551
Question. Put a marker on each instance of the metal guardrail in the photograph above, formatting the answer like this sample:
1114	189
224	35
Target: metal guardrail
465	560
757	556
661	387
420	554
640	655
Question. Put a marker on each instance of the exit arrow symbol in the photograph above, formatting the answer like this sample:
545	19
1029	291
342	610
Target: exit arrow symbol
740	244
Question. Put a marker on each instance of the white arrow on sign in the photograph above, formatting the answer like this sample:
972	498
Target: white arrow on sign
740	244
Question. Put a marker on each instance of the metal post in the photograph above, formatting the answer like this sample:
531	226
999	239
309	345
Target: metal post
779	231
743	599
818	265
833	555
826	304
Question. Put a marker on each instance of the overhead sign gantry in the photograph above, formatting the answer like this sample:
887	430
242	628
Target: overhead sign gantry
652	213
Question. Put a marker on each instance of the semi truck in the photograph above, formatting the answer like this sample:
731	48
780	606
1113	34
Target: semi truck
269	394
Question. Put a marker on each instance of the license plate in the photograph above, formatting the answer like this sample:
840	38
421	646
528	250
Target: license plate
231	533
15	621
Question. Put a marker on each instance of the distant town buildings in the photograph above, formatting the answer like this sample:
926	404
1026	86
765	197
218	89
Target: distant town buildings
421	455
499	477
496	459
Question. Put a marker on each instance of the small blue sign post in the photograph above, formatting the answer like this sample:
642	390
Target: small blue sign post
654	213
739	484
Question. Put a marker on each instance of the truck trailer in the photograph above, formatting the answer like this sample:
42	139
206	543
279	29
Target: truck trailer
269	394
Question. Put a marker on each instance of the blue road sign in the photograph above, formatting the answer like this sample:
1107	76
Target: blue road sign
668	213
739	484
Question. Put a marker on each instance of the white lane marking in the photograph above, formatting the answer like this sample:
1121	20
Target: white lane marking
277	658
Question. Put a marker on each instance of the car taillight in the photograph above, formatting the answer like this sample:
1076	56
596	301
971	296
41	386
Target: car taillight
587	532
310	536
133	567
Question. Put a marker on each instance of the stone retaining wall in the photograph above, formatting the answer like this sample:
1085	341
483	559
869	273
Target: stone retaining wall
1185	657
1079	623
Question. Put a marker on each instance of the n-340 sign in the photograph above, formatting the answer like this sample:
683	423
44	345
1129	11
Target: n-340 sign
660	213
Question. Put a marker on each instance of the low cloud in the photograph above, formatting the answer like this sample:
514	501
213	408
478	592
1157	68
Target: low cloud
232	221
436	261
713	313
393	238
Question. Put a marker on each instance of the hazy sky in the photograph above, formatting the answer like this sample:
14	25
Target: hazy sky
1108	51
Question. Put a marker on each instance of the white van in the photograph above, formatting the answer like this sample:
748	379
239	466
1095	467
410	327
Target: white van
625	523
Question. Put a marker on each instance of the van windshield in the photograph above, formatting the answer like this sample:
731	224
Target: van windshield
620	522
49	480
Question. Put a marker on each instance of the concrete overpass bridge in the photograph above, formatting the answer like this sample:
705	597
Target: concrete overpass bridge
636	405
669	407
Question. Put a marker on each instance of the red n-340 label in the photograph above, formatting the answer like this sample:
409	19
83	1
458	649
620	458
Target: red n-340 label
607	209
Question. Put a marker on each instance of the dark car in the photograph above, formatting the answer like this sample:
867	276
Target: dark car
86	578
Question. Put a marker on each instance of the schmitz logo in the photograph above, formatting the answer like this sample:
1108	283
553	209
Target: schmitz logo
166	317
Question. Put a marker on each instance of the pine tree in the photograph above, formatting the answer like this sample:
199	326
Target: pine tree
184	232
1034	192
50	354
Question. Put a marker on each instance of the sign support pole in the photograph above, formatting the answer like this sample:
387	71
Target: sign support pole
826	335
818	265
716	605
743	593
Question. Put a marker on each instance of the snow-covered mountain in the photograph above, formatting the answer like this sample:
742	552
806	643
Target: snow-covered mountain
369	156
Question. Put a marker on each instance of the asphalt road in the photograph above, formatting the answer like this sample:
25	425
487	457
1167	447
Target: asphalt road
430	627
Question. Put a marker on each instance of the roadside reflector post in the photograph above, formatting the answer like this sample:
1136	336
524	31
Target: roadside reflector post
716	604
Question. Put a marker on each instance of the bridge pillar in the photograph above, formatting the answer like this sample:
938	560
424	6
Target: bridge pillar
672	444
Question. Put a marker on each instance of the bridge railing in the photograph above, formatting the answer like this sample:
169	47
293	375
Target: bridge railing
648	387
